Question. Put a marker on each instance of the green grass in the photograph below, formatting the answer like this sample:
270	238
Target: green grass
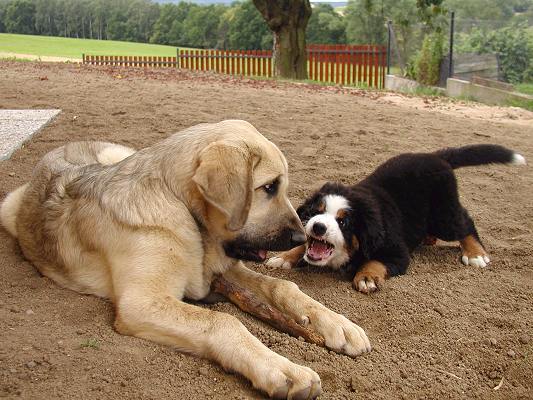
91	343
74	48
526	88
527	104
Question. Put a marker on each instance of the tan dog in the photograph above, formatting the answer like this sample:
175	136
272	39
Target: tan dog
149	228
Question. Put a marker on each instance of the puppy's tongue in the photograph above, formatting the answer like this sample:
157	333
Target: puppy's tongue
318	250
262	254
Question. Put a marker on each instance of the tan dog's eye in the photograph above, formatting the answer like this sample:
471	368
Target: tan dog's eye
271	188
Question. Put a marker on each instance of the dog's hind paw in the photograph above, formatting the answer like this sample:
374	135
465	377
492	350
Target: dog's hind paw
477	261
279	262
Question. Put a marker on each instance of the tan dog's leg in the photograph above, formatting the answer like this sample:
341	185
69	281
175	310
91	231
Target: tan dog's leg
473	252
147	309
287	259
370	277
340	334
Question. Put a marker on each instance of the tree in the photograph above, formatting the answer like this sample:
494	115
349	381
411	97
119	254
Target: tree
200	28
326	26
288	22
20	17
168	28
365	21
246	28
3	7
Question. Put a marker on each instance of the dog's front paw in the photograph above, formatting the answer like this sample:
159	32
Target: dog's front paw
473	252
340	334
279	262
282	379
481	260
370	277
287	259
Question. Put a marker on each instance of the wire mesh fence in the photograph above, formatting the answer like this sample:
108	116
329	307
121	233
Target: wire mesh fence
492	49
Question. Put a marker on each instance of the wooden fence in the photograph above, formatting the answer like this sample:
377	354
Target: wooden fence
233	62
339	64
348	64
132	61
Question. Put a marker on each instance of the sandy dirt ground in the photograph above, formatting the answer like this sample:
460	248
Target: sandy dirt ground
440	331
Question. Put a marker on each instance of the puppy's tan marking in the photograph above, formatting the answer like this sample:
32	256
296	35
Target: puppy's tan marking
321	207
370	277
341	213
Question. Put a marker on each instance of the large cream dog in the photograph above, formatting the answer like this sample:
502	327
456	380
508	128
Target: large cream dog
149	228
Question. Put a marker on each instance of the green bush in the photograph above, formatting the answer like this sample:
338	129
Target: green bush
428	60
511	44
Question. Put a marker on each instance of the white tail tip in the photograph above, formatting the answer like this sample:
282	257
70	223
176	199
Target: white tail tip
518	159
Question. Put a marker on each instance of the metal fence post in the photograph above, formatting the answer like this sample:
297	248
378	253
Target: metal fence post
389	22
452	28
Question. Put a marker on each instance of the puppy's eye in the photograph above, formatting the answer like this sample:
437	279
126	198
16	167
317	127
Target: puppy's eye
271	188
342	222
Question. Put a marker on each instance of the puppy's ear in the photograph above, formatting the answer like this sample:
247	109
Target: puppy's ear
224	178
306	210
369	226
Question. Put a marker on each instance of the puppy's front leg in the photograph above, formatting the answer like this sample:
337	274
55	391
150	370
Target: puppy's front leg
340	334
287	259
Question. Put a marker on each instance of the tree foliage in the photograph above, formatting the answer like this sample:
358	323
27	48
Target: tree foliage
181	24
428	60
326	26
512	45
20	16
246	28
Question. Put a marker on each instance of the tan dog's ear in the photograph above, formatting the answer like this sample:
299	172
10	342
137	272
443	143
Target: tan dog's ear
225	178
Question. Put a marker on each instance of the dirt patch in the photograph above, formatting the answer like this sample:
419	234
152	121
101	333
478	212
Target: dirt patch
441	331
34	57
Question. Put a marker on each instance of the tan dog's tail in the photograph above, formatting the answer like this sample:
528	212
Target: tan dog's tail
113	153
9	209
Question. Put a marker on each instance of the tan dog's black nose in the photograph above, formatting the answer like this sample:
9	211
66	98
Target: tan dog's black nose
298	238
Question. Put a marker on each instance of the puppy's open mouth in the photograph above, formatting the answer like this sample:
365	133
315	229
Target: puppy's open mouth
318	250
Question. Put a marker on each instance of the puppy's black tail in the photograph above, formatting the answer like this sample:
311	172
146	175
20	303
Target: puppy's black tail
479	154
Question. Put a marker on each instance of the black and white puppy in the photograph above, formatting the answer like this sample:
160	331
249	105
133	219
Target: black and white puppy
371	228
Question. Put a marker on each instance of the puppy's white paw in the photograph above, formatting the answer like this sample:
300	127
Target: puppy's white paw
370	277
282	379
476	261
340	334
366	285
279	262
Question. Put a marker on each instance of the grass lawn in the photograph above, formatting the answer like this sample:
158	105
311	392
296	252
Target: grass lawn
74	48
526	88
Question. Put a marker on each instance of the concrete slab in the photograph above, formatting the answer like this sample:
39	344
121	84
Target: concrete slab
18	126
483	94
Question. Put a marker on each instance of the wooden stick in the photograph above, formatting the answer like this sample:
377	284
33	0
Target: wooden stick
248	302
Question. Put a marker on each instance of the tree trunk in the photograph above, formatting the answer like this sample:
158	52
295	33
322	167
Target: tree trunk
288	21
